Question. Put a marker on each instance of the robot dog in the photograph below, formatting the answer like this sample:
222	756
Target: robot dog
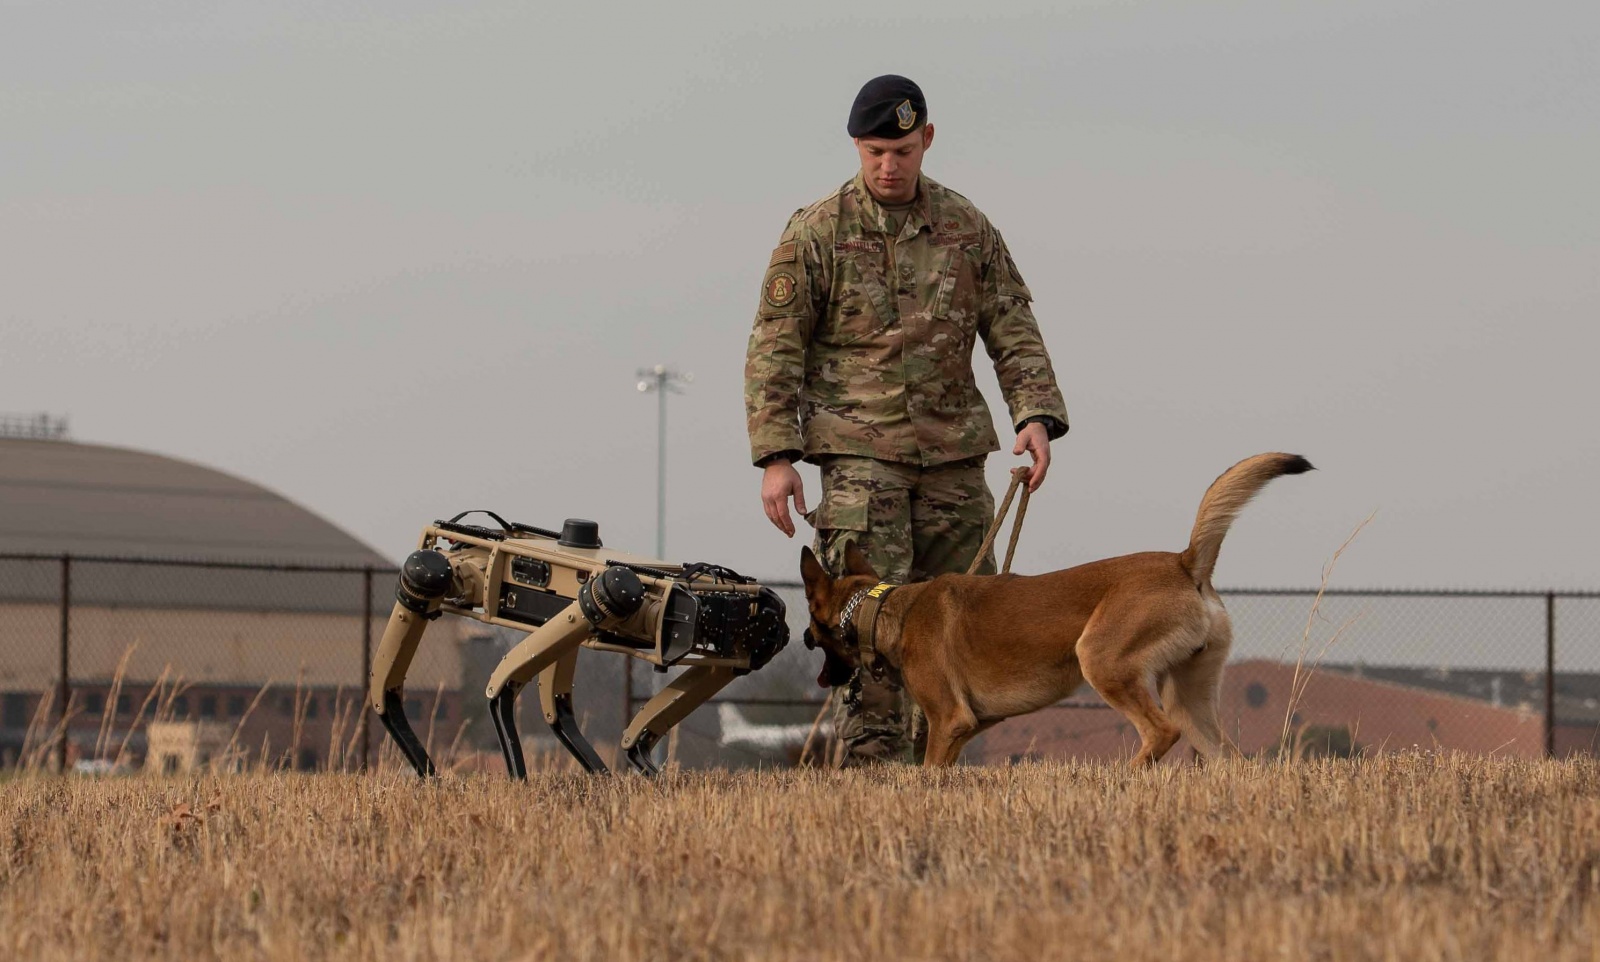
568	591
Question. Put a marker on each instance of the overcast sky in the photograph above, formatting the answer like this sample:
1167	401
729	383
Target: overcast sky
394	260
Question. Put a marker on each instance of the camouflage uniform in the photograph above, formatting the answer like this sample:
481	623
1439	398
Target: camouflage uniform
861	360
913	523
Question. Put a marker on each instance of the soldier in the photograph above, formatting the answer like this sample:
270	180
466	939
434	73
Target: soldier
861	361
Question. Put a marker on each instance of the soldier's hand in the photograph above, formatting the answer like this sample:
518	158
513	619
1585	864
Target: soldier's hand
779	482
1035	440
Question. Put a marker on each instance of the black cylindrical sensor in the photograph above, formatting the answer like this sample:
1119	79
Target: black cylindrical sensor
578	533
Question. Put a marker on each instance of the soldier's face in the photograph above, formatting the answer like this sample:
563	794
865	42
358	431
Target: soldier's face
891	167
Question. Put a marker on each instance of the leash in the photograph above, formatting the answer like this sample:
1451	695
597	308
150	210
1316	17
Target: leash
1018	477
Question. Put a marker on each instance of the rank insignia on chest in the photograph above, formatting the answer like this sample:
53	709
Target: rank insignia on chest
780	290
905	115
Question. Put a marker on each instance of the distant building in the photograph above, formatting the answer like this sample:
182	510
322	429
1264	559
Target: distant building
177	748
272	657
1337	709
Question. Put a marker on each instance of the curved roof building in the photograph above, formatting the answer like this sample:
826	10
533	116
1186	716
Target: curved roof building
192	583
61	497
98	503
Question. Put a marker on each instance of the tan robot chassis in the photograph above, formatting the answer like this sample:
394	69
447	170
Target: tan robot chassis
568	591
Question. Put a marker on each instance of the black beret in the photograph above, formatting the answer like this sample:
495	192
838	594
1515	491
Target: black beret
889	107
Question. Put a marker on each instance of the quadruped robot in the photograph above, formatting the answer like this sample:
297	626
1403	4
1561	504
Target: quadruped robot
568	592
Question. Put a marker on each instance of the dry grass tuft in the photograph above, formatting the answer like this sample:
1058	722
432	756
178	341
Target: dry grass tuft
1404	857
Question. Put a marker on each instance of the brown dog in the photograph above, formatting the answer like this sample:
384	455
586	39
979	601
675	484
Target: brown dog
973	650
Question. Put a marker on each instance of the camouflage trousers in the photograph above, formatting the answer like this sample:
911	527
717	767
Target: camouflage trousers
913	523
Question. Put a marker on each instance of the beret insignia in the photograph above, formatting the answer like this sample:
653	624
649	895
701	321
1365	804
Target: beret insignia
780	290
905	115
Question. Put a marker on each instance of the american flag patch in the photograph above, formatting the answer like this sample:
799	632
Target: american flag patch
785	254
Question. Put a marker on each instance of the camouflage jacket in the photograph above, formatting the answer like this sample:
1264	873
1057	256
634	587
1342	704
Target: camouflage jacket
863	341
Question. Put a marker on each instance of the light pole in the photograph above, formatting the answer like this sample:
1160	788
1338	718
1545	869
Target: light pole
661	380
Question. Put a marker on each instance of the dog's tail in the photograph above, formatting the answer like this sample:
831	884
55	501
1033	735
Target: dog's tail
1226	497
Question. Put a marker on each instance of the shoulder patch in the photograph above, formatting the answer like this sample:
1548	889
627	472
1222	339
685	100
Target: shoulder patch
780	290
785	254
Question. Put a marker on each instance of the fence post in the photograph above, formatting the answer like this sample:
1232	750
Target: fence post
63	687
366	666
1550	674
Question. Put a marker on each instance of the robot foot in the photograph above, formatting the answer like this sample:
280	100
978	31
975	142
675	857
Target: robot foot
503	710
394	721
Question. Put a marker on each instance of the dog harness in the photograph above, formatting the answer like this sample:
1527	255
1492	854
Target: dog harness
868	602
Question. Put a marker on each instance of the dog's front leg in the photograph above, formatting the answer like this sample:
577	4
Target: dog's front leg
939	743
949	730
951	721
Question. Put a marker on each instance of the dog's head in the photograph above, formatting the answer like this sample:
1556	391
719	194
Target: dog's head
826	597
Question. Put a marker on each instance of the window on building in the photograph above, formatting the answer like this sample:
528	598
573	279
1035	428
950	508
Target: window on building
208	706
285	704
444	711
306	760
94	704
15	710
180	706
413	707
124	706
235	706
311	706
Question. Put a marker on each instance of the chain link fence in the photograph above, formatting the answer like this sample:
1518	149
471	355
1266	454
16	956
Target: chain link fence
1348	672
121	664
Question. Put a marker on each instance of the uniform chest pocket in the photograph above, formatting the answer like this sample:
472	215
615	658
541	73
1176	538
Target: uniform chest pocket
956	301
858	304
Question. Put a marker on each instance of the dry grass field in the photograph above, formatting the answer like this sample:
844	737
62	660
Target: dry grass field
1411	857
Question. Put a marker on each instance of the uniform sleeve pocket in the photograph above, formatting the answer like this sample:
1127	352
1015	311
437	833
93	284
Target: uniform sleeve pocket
840	511
1015	289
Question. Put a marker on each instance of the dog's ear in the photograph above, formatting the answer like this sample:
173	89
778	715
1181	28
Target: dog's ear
855	561
812	573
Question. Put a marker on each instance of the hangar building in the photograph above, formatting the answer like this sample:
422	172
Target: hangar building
253	626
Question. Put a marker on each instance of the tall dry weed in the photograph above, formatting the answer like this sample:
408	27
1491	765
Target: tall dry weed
1416	856
1310	654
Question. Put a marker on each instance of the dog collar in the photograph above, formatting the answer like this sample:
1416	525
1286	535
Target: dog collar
849	612
870	602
